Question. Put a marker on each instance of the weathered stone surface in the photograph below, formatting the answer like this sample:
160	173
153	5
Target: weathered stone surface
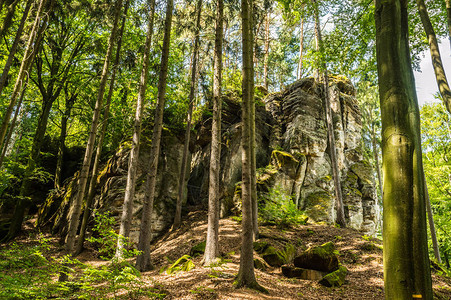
291	150
306	274
272	257
336	278
260	246
320	258
261	264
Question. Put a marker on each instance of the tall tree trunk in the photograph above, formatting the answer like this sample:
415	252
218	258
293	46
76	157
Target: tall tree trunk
62	140
82	180
211	246
143	262
330	126
301	45
246	274
182	179
106	112
13	49
7	21
267	40
127	210
25	65
448	14
406	262
431	223
440	75
253	169
13	124
376	155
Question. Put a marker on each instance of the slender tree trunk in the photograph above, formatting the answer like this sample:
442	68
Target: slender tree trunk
448	14
253	169
106	112
447	259
406	262
431	223
7	21
246	274
375	153
82	180
13	49
330	126
182	179
301	45
62	140
13	124
440	75
267	40
211	246
25	65
143	262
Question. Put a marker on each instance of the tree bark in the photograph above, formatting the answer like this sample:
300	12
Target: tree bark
267	41
440	74
330	126
301	45
182	179
82	180
212	247
127	208
25	65
13	49
246	274
406	262
143	262
62	140
431	223
13	124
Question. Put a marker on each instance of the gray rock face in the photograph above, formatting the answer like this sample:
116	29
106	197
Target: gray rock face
292	154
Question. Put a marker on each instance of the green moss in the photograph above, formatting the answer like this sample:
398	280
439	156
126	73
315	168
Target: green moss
198	249
260	246
183	264
336	278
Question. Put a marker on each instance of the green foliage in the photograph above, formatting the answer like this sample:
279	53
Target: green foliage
105	238
279	208
183	264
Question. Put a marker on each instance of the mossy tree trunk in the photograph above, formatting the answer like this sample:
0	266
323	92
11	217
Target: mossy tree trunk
267	41
127	208
7	21
183	170
406	261
143	262
83	178
431	224
211	246
340	219
440	75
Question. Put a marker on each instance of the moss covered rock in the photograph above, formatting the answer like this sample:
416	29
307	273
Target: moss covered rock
260	246
336	278
319	205
301	273
320	258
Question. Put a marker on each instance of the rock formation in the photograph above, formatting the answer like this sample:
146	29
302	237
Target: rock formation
292	155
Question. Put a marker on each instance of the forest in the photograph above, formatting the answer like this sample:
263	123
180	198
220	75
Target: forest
247	149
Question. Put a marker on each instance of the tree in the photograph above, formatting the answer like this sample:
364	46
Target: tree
246	274
182	179
143	262
448	14
211	246
24	67
96	163
440	75
406	262
126	219
330	126
83	177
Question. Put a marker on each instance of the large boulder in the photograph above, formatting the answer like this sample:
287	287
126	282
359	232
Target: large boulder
320	258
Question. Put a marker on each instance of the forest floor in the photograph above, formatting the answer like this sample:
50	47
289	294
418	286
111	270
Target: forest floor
361	255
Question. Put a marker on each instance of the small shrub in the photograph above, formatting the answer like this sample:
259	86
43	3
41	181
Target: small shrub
279	209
